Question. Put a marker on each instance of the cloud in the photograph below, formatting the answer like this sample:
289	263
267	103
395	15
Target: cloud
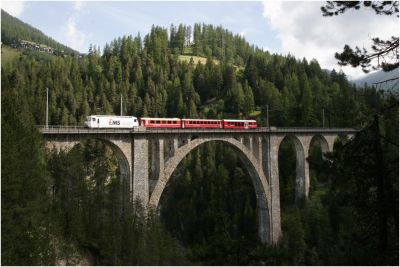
242	34
14	8
74	38
78	5
304	32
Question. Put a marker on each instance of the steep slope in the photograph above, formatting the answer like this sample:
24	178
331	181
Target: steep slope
15	31
381	76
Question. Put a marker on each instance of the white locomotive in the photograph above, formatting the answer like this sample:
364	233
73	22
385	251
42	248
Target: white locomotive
106	121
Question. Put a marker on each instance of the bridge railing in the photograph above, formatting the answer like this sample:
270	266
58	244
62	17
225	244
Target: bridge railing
310	129
83	129
60	126
54	129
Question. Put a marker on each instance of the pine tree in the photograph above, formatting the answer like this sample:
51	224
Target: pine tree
26	238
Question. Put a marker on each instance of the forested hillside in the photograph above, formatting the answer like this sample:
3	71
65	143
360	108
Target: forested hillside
78	193
13	31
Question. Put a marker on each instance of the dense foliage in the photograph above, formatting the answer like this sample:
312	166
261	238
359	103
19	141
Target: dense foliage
74	206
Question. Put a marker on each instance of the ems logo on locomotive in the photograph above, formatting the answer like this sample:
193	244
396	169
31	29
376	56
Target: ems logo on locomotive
113	122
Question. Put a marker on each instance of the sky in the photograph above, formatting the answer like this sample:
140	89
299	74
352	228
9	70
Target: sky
281	27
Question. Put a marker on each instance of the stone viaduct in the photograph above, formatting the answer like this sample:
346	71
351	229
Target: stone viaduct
147	159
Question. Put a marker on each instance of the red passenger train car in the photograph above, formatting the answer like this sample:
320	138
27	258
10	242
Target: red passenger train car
239	124
201	123
161	122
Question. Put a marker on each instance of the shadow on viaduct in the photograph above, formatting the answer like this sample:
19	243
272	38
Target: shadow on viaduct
147	159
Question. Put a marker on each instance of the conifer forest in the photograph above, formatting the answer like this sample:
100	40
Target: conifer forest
65	208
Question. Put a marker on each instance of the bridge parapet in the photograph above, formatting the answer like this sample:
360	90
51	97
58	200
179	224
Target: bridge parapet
58	129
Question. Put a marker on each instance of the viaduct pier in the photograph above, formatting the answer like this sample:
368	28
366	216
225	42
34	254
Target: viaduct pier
147	159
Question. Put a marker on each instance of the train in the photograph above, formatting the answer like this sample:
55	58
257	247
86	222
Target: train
130	122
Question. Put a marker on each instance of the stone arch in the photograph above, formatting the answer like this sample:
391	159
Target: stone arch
302	180
124	162
324	147
254	168
322	142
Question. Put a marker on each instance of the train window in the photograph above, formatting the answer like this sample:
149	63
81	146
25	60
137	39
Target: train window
135	120
151	121
93	119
